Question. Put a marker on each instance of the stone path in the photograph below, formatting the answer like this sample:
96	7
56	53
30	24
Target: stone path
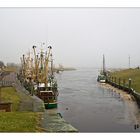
53	122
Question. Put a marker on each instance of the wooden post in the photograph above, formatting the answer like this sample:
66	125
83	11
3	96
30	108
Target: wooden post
129	84
0	93
109	78
119	81
124	82
112	79
115	80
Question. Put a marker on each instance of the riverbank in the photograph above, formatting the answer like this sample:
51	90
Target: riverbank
133	74
126	83
129	100
127	80
122	94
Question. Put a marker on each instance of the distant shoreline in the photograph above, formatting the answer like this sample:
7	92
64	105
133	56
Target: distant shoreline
69	69
64	69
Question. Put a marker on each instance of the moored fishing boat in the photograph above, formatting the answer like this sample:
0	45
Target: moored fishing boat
102	76
38	77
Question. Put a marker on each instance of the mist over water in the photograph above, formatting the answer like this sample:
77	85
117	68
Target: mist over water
91	108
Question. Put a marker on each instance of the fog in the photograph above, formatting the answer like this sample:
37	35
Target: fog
79	36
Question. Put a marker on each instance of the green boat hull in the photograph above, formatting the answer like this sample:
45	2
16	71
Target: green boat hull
50	105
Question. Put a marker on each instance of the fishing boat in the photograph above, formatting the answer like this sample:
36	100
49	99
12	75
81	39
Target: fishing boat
48	94
102	76
47	84
38	77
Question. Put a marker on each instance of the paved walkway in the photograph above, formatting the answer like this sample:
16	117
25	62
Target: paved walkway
53	122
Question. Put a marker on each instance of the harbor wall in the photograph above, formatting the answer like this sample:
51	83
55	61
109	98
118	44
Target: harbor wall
125	87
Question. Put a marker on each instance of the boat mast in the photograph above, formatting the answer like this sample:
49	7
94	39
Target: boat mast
46	65
41	64
36	64
104	70
51	65
129	61
32	69
24	65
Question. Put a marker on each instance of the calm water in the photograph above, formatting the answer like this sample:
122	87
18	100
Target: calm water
91	108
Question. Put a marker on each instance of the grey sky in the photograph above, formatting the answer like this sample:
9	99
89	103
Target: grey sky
79	36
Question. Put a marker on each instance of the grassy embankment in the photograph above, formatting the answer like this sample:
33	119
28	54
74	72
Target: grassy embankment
10	69
134	74
16	121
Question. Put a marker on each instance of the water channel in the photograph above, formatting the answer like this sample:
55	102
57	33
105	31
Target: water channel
89	107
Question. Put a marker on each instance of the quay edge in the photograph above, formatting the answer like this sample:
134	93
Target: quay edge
53	122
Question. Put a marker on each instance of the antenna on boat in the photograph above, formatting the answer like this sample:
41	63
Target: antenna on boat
129	61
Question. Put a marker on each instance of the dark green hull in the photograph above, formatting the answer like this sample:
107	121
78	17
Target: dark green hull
50	105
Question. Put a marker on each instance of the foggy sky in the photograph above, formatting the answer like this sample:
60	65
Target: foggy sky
79	36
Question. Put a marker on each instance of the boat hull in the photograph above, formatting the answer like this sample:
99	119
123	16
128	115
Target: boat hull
50	105
101	78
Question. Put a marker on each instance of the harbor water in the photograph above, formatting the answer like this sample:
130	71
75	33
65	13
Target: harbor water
89	107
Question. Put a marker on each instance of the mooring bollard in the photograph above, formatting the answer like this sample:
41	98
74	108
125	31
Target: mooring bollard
129	85
112	79
124	82
115	80
137	125
119	82
0	93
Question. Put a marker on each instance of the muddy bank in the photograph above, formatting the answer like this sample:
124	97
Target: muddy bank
132	107
122	93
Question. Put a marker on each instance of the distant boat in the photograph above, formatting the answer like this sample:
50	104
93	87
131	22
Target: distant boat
57	71
102	77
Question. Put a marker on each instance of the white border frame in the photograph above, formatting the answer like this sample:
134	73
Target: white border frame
69	3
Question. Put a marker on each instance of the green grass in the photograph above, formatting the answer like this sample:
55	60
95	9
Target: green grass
10	69
134	74
19	122
16	121
9	94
